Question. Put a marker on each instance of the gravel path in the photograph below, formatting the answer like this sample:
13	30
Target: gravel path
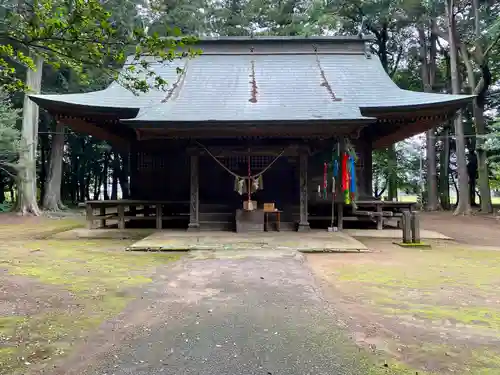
223	317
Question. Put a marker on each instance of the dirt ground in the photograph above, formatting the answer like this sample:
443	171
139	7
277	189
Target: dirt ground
52	293
435	310
478	230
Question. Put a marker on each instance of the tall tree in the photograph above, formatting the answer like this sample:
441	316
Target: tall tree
479	54
463	204
52	198
383	19
77	34
428	52
27	188
9	141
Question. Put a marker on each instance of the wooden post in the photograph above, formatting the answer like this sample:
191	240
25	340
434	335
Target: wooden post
159	216
379	218
415	227
406	220
121	216
303	161
339	197
102	212
364	167
89	216
340	215
194	206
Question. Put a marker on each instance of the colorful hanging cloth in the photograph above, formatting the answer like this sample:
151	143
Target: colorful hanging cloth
345	178
353	177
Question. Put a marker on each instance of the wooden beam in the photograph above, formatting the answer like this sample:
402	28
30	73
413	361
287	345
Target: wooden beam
406	130
254	151
320	131
88	128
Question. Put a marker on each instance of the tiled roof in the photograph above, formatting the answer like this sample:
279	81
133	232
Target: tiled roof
269	82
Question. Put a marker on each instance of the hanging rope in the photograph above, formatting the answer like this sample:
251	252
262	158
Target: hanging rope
250	177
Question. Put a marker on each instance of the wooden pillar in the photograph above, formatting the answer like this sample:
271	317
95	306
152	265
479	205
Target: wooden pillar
415	227
339	198
89	215
102	213
121	216
159	215
194	204
364	149
303	164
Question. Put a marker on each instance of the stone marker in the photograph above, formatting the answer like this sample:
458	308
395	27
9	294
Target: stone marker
406	221
415	227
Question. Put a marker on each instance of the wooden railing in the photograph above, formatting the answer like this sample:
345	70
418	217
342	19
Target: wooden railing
124	209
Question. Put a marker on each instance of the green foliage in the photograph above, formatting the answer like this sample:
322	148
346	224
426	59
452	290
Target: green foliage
492	144
9	134
406	168
79	35
191	17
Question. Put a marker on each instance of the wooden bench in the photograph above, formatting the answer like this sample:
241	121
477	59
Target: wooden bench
150	210
383	209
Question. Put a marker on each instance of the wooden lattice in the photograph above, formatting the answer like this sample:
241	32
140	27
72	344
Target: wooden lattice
257	163
151	162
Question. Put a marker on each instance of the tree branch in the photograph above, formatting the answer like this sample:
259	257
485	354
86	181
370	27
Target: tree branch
492	45
395	65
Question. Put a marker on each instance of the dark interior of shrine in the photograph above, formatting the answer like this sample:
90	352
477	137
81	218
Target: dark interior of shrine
161	172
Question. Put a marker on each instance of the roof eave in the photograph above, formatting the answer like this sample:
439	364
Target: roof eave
156	124
340	38
64	108
453	103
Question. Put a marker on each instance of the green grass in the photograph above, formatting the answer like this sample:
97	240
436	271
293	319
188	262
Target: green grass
95	278
453	200
445	285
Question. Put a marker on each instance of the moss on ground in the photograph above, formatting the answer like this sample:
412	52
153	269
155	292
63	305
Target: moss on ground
39	228
95	278
448	285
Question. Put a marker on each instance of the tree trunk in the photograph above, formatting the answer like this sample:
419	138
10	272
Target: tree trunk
428	76
73	190
482	165
81	182
12	192
105	176
114	185
123	177
2	190
44	146
444	173
97	184
392	177
88	183
115	174
81	172
26	182
52	198
463	206
472	173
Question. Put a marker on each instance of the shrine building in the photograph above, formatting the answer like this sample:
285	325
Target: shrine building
249	122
